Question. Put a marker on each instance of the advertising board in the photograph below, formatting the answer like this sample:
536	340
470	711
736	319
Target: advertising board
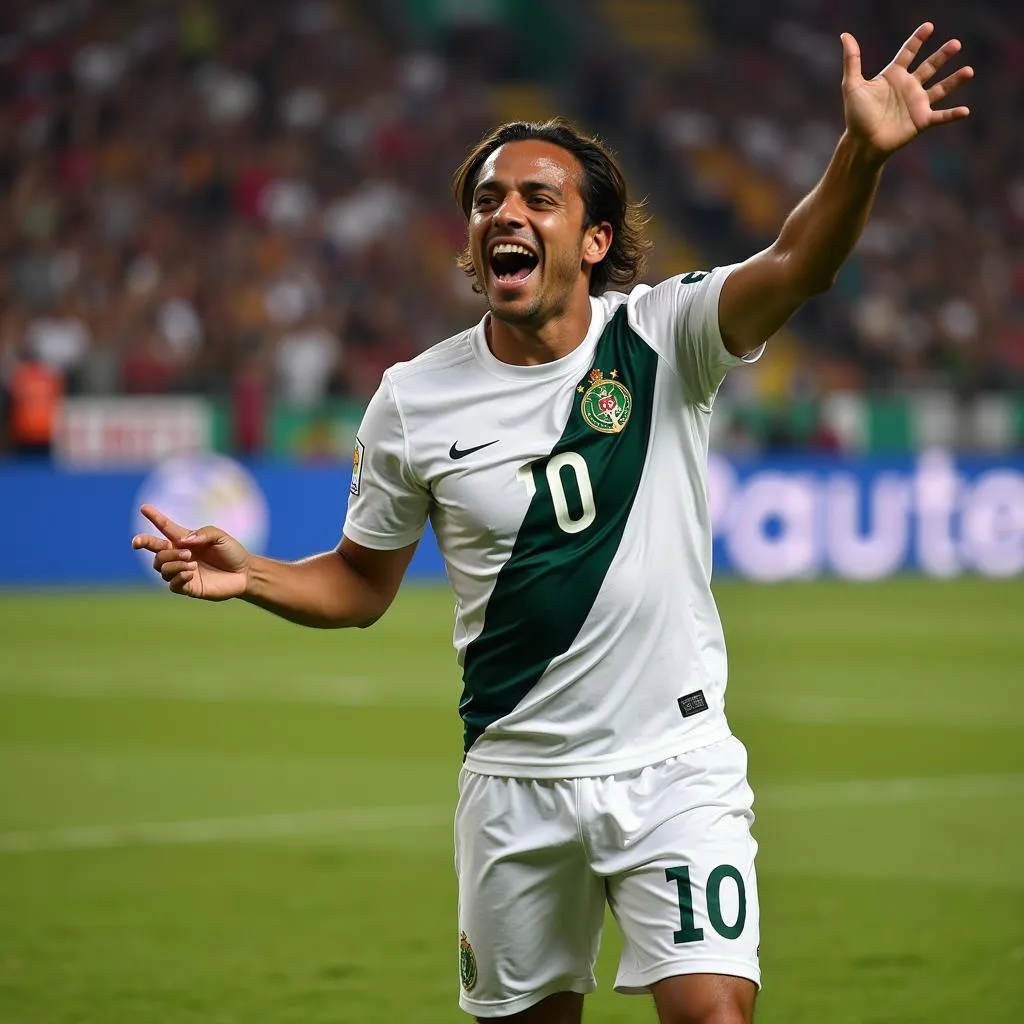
775	519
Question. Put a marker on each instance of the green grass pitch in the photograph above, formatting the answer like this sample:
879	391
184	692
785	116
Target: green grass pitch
208	816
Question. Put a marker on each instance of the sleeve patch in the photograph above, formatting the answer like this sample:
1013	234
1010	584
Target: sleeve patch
358	458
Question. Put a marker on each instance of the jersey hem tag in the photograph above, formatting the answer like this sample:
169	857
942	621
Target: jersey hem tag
692	703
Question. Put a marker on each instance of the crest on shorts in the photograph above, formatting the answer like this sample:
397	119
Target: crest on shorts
606	404
467	963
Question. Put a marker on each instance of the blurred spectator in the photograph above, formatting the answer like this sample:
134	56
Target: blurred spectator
35	390
309	359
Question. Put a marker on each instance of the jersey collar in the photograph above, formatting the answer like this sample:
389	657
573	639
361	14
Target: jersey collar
571	365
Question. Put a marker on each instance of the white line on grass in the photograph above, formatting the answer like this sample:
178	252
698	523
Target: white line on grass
300	824
348	820
888	791
829	709
91	684
84	682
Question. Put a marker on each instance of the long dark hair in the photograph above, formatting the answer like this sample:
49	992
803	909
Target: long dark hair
602	188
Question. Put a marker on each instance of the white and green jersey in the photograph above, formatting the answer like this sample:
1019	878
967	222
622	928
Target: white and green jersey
570	505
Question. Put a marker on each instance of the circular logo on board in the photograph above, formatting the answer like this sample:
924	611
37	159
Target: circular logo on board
607	403
200	490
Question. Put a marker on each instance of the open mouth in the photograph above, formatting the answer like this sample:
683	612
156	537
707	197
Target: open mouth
512	263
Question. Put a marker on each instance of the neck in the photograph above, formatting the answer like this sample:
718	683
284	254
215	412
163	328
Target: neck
532	344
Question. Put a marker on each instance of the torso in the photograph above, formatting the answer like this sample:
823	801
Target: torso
577	541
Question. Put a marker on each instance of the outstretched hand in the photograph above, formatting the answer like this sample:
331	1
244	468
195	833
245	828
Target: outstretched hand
895	106
206	563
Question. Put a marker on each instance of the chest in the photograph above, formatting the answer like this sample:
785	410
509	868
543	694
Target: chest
558	460
482	452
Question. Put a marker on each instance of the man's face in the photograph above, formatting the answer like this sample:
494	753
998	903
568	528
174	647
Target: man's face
526	231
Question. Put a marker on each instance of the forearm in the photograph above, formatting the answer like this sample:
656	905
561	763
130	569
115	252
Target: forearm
322	591
823	228
766	290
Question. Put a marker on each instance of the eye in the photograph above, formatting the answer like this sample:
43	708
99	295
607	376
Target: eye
541	200
484	202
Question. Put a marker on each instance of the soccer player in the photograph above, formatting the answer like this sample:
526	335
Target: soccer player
558	448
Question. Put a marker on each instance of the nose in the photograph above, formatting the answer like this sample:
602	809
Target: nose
510	212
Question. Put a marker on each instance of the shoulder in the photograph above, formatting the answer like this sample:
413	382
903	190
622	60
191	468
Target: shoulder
436	361
689	299
611	302
642	306
645	303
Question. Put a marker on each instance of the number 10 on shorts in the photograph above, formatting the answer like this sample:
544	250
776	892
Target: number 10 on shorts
688	930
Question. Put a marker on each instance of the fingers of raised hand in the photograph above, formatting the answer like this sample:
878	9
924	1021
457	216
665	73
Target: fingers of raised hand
942	89
168	527
172	561
851	59
929	67
147	542
179	583
951	114
912	46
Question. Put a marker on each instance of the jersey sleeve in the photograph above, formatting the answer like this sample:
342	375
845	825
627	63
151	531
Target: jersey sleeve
679	318
387	505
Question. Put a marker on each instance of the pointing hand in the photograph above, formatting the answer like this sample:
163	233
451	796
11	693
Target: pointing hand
206	563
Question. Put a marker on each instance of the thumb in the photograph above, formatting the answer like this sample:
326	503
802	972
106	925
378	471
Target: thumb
851	60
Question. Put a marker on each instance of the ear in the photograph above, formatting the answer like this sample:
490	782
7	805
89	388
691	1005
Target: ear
597	240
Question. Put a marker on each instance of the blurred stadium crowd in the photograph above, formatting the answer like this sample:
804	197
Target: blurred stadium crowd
934	295
251	199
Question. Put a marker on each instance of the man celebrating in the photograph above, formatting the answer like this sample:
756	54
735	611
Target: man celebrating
559	449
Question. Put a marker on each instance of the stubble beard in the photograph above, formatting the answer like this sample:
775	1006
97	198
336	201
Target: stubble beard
530	316
561	282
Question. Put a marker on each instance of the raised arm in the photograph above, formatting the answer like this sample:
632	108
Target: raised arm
882	115
350	586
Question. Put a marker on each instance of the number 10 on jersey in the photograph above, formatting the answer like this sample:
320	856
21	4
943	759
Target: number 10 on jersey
566	467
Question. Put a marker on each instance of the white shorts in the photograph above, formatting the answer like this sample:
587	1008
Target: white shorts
668	846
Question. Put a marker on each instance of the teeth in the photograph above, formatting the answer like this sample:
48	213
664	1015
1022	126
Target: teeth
509	247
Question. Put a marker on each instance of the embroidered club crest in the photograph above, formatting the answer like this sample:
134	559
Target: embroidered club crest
606	404
467	963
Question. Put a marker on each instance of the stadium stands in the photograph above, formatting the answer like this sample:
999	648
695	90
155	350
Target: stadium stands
250	201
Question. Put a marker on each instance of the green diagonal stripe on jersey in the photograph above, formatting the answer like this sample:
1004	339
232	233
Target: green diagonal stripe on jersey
547	588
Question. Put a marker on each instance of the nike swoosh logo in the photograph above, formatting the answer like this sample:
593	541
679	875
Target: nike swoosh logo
460	453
